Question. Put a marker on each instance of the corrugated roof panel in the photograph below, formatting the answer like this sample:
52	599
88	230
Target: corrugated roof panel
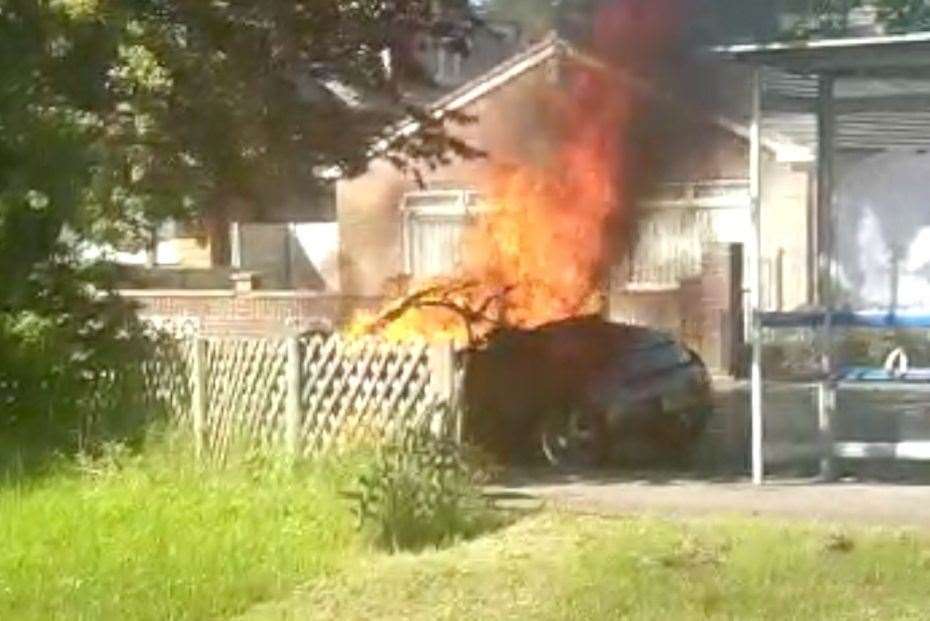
865	131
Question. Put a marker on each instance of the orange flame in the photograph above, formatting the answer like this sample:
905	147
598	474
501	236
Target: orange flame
546	235
541	252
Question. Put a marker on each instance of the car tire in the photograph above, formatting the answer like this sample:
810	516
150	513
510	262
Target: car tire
573	440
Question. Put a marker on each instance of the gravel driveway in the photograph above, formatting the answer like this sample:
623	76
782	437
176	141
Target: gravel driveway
886	494
898	505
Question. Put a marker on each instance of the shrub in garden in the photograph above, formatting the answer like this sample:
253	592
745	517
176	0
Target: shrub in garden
421	490
70	360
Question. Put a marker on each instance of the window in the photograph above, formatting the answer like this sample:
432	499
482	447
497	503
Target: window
435	222
181	244
675	228
448	65
669	246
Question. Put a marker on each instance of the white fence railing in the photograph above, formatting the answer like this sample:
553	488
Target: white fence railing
305	394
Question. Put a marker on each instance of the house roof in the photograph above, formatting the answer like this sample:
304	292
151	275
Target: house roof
554	46
479	87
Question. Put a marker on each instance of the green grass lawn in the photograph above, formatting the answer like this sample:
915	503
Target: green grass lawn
564	567
157	537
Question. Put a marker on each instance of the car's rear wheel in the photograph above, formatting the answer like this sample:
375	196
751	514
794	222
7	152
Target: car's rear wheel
571	440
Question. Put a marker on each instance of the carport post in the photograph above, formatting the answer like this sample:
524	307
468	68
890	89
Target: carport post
826	253
755	272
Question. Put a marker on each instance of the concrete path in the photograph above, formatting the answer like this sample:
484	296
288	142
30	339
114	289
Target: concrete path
897	505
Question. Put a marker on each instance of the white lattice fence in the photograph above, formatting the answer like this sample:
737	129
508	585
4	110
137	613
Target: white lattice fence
308	395
168	378
361	389
245	392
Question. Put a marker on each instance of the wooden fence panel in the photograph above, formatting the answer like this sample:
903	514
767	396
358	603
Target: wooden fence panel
168	377
245	392
360	389
308	396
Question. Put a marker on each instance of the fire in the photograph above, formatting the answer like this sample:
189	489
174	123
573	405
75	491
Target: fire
541	251
545	237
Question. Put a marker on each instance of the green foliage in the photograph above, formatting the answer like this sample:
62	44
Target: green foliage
47	124
154	535
144	110
904	15
421	491
70	359
65	348
222	110
118	114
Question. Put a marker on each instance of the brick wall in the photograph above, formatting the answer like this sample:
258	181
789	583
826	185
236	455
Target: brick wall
705	312
249	314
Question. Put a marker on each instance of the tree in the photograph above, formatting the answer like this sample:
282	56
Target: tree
158	108
120	113
46	127
117	114
235	109
904	15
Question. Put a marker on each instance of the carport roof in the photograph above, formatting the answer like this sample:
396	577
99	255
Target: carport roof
907	54
882	96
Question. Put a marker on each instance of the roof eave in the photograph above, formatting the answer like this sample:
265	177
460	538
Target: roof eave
552	46
847	55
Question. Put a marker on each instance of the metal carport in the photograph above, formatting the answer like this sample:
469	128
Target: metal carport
882	103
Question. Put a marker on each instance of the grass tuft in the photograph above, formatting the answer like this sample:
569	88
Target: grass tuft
567	567
154	535
422	491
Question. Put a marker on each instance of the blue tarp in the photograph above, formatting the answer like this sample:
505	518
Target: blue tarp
872	374
846	319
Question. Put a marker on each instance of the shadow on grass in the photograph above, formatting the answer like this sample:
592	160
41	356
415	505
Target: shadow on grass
35	448
31	451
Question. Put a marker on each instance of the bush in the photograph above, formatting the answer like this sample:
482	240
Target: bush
422	491
70	359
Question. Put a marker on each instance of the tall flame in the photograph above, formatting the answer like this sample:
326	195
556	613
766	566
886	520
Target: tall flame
540	251
546	234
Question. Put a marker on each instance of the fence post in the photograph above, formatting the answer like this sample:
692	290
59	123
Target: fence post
442	381
826	411
292	405
199	396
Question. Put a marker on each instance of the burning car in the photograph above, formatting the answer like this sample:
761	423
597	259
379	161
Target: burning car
567	390
517	276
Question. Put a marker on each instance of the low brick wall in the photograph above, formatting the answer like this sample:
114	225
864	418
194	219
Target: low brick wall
261	313
705	312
